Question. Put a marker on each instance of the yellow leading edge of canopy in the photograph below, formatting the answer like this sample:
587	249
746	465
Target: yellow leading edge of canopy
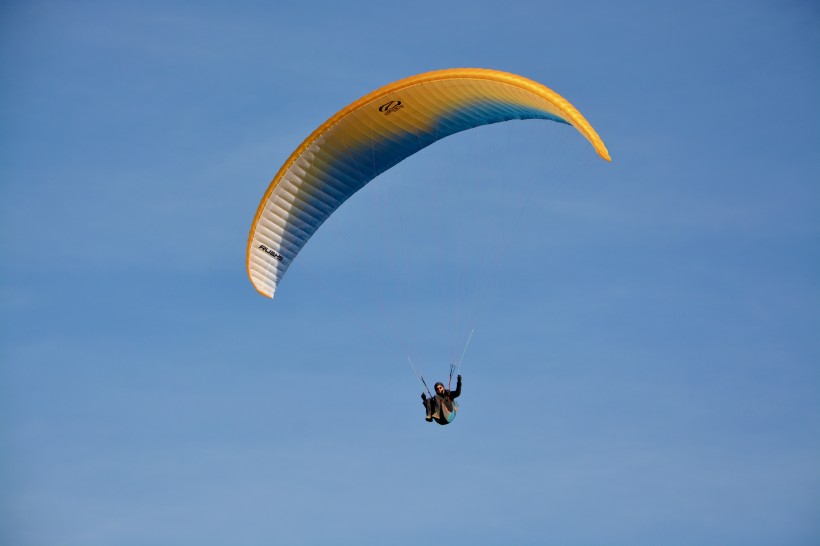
568	111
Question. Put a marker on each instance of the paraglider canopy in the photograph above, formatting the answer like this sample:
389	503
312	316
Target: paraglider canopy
373	134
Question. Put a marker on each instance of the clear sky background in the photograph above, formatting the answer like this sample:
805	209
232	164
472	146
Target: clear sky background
645	367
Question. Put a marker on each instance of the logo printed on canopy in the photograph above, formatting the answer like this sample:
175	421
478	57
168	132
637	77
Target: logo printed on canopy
390	107
271	252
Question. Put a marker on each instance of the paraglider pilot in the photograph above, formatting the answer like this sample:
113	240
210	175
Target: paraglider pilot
443	399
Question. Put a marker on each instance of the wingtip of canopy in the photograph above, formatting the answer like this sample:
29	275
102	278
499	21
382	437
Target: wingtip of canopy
263	292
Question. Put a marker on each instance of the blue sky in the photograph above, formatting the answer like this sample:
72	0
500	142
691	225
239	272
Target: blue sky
645	367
